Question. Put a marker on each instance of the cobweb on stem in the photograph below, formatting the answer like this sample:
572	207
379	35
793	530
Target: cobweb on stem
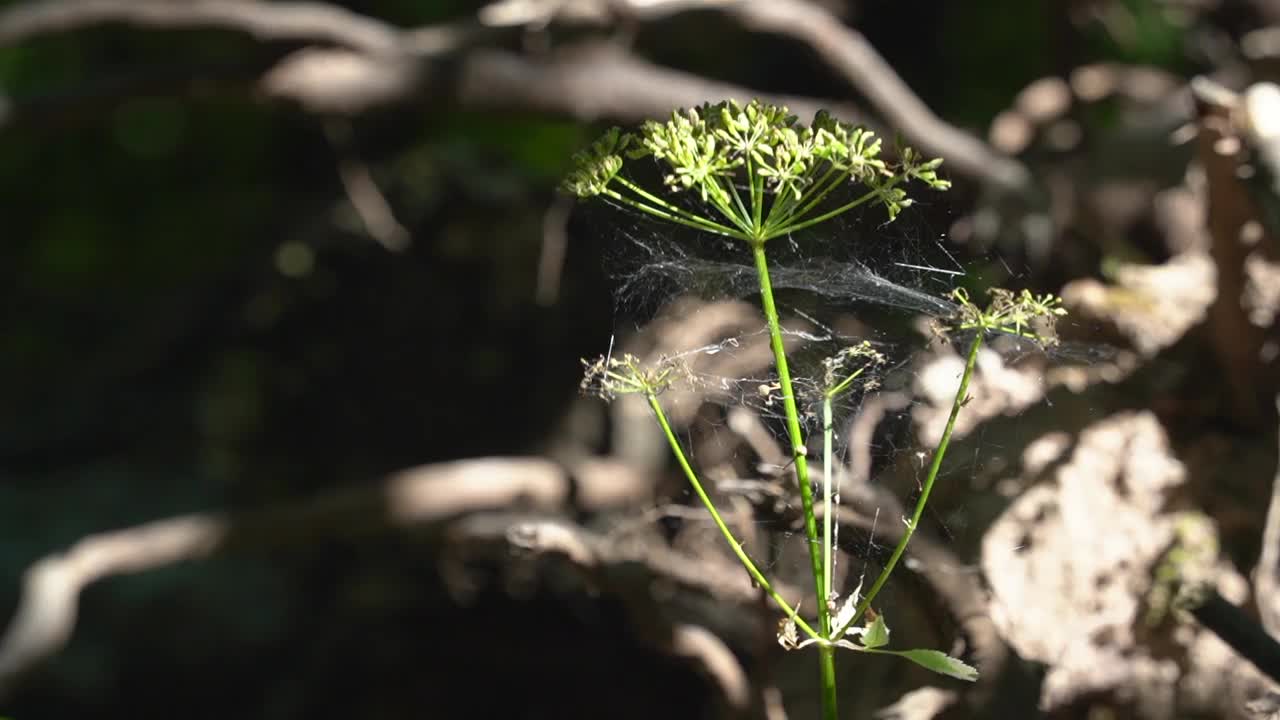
857	280
844	263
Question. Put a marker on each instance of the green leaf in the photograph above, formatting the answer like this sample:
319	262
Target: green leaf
876	634
937	661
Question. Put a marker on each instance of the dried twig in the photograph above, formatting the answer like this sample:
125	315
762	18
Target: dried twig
299	21
1238	630
363	193
46	614
612	566
848	52
356	62
555	242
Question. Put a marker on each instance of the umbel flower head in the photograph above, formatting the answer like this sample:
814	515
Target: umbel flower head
846	366
608	376
762	172
1011	313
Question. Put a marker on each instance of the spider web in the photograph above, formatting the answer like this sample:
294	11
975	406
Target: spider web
855	258
855	279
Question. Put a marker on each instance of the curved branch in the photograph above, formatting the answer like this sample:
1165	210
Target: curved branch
596	80
46	613
611	565
302	21
593	81
848	51
376	63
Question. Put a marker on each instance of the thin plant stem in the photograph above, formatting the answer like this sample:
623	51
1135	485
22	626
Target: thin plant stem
741	207
657	201
666	211
877	192
826	654
827	550
757	196
745	559
721	200
698	224
786	196
780	217
939	453
828	452
782	195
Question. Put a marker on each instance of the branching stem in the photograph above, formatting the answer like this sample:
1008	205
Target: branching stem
828	430
736	546
828	453
826	655
962	394
791	209
760	175
875	193
664	210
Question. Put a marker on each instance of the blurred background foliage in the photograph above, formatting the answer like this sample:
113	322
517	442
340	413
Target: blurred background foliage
195	317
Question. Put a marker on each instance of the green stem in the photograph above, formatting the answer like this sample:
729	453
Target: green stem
826	658
828	454
646	195
939	453
833	213
751	193
827	550
827	676
721	200
741	207
666	211
780	217
782	194
757	196
719	521
874	193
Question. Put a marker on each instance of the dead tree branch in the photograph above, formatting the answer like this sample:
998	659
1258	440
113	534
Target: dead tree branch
46	613
296	21
848	52
354	63
610	565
